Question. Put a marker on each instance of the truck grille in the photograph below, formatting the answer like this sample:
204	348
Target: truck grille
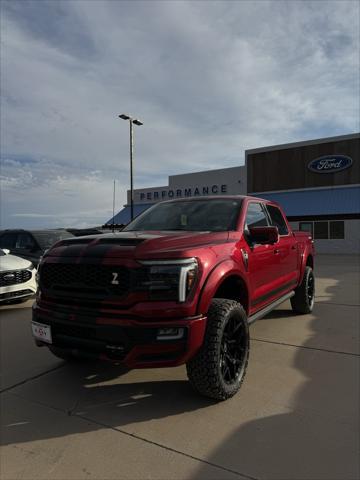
86	278
14	277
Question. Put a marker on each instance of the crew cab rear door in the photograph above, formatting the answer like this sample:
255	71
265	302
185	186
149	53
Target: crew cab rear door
285	251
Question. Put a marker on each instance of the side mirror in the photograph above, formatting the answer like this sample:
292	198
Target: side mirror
264	235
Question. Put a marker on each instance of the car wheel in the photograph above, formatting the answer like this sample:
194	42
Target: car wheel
303	300
218	369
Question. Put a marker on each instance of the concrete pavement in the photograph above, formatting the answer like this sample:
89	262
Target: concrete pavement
296	416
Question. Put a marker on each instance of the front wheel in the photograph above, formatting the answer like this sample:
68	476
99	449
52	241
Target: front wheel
303	300
218	369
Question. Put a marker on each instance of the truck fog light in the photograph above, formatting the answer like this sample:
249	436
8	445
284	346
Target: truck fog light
170	333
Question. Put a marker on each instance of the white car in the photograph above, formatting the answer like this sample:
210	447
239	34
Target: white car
17	278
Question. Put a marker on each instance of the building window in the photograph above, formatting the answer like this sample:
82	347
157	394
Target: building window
306	227
337	230
321	230
333	229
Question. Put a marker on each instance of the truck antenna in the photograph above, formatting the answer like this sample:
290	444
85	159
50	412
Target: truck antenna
113	222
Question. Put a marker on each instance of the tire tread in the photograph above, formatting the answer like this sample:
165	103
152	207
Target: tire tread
299	302
202	370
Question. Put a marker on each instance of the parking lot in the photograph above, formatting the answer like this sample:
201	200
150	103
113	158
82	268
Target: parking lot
296	416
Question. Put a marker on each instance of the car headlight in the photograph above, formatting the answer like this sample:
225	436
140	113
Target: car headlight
169	279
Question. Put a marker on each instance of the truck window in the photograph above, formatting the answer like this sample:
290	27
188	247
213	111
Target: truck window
255	216
277	219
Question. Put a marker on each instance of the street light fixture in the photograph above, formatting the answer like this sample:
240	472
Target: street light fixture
132	121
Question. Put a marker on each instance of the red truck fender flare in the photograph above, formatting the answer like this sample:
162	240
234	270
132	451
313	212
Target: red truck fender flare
215	278
307	258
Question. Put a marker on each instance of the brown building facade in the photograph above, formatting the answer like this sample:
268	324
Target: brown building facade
318	184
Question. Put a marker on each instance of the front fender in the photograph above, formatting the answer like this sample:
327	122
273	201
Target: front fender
215	278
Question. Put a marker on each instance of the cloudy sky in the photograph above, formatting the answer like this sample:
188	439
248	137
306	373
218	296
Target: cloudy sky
208	79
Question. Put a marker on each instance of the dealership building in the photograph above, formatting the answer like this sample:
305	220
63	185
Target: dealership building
317	182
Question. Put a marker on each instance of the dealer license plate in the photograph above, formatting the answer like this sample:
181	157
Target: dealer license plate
41	331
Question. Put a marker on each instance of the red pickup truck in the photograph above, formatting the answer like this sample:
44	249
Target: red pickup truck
179	285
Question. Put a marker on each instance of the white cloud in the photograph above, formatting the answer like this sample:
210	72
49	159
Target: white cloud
207	78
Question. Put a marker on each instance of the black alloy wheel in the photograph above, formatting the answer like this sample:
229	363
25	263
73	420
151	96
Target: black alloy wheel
232	350
304	299
311	288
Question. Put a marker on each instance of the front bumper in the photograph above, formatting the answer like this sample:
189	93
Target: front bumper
19	290
130	341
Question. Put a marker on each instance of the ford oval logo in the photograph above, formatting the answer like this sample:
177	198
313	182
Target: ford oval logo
330	164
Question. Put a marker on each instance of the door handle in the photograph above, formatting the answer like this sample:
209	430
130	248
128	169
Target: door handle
293	247
276	251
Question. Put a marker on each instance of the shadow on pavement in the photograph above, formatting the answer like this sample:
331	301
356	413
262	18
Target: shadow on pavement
85	390
318	438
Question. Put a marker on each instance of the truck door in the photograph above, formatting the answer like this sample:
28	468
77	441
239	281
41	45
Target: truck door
261	259
286	249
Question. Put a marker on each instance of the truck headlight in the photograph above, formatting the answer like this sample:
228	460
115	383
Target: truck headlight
169	279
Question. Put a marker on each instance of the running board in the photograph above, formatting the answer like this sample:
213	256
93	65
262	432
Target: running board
269	308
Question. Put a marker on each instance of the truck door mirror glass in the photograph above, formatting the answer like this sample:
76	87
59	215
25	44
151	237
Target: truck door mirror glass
264	235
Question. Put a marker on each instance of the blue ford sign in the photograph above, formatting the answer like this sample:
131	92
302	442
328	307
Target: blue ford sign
330	164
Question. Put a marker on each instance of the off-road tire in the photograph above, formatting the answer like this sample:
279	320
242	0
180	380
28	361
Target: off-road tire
303	302
205	369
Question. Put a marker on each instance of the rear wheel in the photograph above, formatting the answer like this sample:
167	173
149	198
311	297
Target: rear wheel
218	369
304	298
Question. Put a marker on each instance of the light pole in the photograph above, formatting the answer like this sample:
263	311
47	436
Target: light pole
131	122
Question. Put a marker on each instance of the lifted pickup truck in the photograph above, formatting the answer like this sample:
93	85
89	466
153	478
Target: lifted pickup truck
179	285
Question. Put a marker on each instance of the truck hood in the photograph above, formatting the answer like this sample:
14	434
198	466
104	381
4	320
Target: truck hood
139	245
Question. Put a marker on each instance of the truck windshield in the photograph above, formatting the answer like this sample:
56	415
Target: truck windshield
216	215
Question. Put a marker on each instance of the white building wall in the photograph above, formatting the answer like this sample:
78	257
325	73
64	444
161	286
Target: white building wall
224	181
234	177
